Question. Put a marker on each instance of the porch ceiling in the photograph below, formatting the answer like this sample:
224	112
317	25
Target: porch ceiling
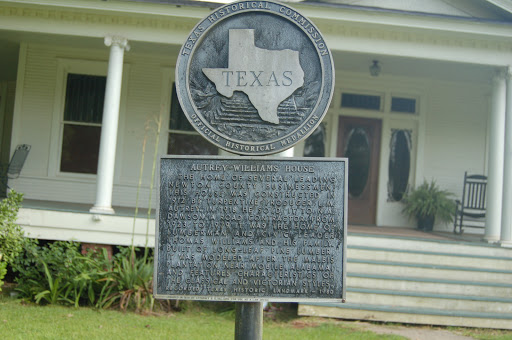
412	67
10	42
344	61
8	60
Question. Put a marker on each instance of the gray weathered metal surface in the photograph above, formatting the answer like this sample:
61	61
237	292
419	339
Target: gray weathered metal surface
251	229
249	321
255	77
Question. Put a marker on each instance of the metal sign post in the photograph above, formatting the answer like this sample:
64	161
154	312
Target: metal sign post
248	321
253	78
249	315
251	229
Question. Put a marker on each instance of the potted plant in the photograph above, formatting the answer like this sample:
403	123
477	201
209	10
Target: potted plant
428	202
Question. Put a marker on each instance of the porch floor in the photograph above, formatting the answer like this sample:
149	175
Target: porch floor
413	233
82	208
379	231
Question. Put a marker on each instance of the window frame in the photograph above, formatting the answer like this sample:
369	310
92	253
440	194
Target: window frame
65	67
170	131
380	96
67	123
404	96
390	120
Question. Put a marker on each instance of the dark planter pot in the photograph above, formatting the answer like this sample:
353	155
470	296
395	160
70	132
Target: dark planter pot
426	223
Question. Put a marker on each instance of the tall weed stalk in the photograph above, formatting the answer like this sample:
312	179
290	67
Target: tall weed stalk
139	185
158	124
154	125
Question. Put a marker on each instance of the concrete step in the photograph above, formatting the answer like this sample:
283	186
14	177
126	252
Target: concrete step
428	271
426	316
453	302
440	246
432	285
428	257
437	282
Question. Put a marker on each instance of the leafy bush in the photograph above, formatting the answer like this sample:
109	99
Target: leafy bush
11	235
58	273
3	271
130	283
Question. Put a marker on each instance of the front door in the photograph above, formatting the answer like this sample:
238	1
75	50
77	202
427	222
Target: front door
359	141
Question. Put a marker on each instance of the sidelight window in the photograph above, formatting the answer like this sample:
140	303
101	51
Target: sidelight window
314	145
399	164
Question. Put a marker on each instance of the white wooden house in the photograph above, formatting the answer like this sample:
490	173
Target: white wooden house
440	97
88	85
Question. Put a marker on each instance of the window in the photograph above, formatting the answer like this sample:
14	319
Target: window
314	145
83	112
360	101
358	151
399	164
403	105
183	138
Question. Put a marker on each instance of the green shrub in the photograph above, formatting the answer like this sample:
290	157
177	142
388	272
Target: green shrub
130	283
57	273
3	271
11	235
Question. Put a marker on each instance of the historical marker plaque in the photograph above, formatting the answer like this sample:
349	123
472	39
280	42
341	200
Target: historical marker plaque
251	229
255	77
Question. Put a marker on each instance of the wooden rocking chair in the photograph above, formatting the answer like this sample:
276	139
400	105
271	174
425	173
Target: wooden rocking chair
13	169
470	210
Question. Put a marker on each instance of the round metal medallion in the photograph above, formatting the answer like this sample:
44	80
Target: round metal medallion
255	77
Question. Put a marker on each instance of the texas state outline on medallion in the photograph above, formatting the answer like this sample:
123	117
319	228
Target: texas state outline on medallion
267	77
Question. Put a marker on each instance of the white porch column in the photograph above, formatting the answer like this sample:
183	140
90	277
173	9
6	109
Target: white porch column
495	161
506	217
107	155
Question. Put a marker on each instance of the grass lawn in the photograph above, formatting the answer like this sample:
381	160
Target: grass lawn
21	321
27	321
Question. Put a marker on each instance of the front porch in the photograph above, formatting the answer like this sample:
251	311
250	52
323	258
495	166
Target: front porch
413	233
53	220
454	120
73	221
